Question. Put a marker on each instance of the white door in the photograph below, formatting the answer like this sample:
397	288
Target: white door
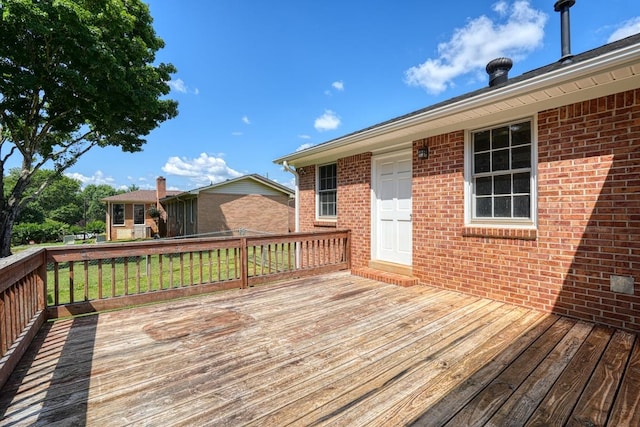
393	209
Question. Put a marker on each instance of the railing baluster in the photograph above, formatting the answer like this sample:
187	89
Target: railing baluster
160	272
5	343
148	273
210	266
113	277
126	275
86	280
12	327
277	255
137	275
56	284
100	279
71	284
219	266
170	271
181	269
190	268
237	262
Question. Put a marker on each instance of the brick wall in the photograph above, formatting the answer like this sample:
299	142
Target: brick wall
126	231
588	217
588	214
222	212
307	196
354	205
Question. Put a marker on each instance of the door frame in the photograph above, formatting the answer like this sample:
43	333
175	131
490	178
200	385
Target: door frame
405	154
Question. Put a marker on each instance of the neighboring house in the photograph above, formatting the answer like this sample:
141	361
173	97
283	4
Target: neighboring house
128	213
250	203
526	191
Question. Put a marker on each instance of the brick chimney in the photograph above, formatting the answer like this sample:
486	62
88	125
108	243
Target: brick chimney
161	188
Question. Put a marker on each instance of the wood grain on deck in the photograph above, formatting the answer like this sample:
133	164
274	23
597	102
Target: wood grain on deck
327	350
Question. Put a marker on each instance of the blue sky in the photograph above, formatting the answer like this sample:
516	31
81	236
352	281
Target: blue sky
260	79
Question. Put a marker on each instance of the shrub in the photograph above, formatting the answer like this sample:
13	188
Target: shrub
46	232
96	227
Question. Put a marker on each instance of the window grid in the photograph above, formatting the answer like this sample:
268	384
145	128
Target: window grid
138	214
117	214
501	165
327	190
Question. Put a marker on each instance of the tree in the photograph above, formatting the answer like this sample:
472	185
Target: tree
60	200
74	75
92	195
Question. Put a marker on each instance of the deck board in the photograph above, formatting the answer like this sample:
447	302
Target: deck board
327	350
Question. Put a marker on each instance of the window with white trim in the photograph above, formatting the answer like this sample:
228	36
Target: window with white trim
501	175
327	200
117	214
138	214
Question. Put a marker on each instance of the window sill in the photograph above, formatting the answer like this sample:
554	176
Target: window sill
500	233
327	224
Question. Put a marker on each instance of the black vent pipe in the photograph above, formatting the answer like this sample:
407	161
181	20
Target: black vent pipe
563	6
498	70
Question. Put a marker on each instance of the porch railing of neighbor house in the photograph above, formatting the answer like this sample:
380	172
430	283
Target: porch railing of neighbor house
53	282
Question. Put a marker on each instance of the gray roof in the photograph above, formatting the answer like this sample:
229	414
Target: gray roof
138	196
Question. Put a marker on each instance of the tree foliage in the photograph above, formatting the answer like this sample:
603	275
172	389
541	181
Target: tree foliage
74	75
92	195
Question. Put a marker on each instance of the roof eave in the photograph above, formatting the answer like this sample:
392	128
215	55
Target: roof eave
572	72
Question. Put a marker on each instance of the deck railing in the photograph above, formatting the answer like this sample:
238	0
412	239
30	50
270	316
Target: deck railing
41	284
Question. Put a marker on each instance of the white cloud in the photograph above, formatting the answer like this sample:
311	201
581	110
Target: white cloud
337	86
304	136
501	7
626	29
481	40
202	170
98	178
304	146
178	85
328	121
246	120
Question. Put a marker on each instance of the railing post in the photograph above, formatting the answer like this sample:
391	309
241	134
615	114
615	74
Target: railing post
348	249
244	263
42	282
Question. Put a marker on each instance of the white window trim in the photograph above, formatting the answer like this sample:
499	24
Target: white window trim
516	223
144	214
329	218
113	216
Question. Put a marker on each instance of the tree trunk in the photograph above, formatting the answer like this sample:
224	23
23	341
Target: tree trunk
7	218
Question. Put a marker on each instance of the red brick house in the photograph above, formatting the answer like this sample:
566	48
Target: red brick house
128	213
526	191
251	203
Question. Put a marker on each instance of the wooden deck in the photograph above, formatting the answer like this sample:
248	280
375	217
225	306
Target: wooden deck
328	350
